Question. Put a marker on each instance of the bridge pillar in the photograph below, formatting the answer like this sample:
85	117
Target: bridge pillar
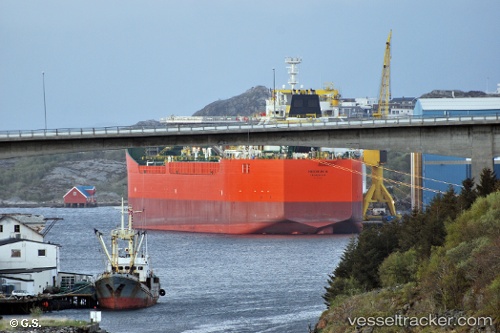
482	150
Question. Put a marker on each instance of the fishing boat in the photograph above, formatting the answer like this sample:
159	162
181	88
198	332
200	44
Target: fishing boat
128	281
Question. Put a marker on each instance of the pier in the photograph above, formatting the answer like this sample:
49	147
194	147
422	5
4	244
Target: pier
46	303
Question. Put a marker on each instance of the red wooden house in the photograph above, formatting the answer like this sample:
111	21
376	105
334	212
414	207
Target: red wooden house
80	196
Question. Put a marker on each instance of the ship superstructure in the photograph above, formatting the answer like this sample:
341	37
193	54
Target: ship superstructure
302	103
128	281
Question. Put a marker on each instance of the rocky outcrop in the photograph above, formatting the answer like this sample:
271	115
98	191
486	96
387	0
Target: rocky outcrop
148	123
91	172
53	180
249	103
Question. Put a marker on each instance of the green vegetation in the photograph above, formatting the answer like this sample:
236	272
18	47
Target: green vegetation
35	320
43	322
442	261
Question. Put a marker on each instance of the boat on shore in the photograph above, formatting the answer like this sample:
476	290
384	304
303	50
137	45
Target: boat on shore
128	281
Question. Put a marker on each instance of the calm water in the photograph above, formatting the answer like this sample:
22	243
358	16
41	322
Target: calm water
214	283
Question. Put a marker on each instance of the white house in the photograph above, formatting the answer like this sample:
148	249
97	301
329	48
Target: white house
26	261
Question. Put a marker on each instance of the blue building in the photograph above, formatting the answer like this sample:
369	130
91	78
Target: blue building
439	172
455	107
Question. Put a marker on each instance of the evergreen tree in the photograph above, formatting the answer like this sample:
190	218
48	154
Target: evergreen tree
358	268
468	194
411	227
339	281
374	245
344	268
487	183
449	205
423	230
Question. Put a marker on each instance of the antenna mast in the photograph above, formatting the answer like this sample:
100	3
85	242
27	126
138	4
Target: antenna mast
293	70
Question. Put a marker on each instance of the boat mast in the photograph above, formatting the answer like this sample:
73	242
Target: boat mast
126	234
123	216
134	243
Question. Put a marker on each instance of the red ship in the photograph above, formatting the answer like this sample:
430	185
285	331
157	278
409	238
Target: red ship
245	190
246	196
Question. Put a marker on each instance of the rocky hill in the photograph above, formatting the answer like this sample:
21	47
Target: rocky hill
250	102
45	180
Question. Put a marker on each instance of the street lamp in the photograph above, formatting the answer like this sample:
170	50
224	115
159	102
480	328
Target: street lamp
44	103
274	92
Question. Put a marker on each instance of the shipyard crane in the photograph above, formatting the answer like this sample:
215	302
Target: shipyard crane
377	193
376	158
385	84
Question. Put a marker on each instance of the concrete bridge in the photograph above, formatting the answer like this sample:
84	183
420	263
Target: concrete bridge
477	137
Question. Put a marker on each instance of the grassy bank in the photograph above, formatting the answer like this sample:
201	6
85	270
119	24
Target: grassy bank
16	323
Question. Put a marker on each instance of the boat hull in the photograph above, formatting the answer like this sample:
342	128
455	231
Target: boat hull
248	196
124	292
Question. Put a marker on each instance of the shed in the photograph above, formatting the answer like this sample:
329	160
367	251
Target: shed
456	107
81	196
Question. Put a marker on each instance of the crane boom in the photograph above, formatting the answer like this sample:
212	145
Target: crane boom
385	84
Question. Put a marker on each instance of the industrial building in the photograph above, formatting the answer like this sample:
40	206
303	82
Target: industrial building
439	172
456	107
364	107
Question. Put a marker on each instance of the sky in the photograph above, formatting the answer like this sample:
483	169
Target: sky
115	63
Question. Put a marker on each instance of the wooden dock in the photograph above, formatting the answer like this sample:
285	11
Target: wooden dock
46	302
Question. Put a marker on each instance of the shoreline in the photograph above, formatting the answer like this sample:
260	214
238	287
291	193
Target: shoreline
54	205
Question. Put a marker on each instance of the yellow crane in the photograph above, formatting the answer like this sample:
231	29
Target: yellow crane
377	192
375	158
385	84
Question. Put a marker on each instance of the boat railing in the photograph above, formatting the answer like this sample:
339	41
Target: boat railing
108	274
203	167
301	123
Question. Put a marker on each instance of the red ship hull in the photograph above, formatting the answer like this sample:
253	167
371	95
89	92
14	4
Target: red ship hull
245	196
124	292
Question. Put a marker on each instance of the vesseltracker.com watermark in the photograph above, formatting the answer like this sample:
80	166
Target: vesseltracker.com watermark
430	320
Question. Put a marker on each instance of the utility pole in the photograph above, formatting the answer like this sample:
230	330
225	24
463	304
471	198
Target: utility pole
274	92
44	102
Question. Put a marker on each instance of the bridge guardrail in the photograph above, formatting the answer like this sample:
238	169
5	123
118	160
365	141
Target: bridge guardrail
196	128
